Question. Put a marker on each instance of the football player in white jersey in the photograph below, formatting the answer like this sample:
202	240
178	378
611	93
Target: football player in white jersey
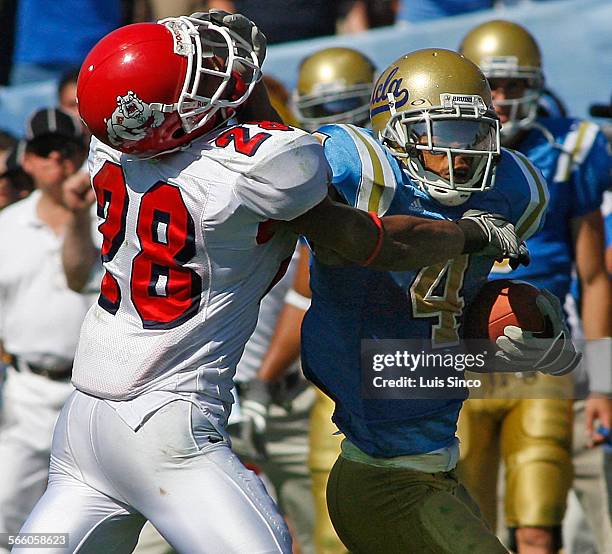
193	239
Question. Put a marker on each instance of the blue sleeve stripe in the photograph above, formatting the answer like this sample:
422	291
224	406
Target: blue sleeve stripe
530	221
576	147
378	185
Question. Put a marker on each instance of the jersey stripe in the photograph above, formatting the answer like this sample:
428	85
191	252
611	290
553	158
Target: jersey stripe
377	186
529	222
576	148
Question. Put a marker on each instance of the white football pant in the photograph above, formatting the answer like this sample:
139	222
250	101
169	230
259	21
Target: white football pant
105	480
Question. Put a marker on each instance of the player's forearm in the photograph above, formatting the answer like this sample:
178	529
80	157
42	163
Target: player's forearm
412	242
79	254
284	348
597	307
588	235
408	242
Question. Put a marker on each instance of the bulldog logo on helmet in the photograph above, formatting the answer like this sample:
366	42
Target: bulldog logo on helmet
131	119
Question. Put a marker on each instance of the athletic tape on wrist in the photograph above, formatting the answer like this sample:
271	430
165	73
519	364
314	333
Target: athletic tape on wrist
297	300
379	239
598	364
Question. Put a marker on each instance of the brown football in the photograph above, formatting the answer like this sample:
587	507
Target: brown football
501	303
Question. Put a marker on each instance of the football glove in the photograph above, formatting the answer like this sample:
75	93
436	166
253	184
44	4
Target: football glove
240	25
500	235
254	404
522	350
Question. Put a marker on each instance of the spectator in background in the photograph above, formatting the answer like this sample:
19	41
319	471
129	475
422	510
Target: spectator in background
15	183
7	24
39	324
66	92
51	37
362	15
173	8
7	144
425	10
287	20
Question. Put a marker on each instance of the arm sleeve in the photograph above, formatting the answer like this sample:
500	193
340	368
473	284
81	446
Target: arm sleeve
591	174
363	172
288	182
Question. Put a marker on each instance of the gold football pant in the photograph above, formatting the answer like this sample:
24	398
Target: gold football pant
324	449
533	437
399	510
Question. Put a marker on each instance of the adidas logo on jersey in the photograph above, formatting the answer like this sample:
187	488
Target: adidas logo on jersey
416	205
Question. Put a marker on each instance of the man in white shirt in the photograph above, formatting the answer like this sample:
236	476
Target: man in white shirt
40	320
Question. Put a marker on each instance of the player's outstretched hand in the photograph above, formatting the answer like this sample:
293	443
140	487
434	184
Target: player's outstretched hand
254	404
240	25
528	351
500	237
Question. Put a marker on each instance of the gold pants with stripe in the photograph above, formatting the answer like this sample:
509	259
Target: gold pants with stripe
532	436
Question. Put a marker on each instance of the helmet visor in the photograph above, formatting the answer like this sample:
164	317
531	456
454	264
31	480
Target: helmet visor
333	107
458	135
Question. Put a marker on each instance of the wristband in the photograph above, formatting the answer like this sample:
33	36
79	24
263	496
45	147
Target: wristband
598	361
379	239
297	300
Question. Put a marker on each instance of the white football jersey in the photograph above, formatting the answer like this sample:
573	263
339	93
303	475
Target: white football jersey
188	256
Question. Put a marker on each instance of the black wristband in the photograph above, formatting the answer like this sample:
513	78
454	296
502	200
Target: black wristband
475	239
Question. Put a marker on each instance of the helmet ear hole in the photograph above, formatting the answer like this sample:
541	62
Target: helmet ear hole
179	133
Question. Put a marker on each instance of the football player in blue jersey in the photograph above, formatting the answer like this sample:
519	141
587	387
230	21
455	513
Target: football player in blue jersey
535	434
434	151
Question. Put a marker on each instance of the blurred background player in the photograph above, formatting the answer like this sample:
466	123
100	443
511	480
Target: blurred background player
534	434
40	320
334	85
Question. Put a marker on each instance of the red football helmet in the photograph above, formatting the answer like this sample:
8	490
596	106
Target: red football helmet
150	88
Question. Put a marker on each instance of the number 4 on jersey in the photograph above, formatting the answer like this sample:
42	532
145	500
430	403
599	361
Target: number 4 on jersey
436	292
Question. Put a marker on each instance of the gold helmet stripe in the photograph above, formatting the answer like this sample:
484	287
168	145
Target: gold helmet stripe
529	222
377	186
576	148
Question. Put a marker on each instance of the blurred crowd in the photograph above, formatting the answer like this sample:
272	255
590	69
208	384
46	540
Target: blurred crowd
49	162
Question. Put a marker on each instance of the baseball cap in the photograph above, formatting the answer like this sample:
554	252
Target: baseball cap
53	120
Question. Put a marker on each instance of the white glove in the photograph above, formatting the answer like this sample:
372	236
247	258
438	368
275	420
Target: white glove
501	236
522	350
251	429
239	24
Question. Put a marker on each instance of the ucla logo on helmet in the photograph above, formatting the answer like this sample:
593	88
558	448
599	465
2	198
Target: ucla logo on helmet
388	85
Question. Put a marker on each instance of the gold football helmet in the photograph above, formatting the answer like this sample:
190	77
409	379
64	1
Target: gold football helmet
334	86
437	102
503	49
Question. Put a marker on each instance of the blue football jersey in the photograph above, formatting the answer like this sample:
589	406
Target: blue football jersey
577	170
354	303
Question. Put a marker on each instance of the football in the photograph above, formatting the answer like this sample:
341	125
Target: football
501	303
